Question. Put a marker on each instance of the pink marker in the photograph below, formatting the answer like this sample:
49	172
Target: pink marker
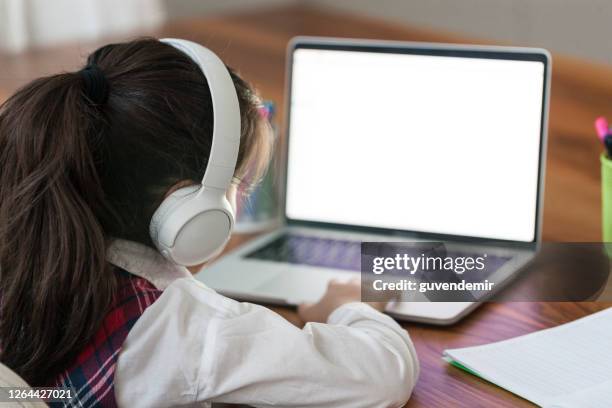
601	126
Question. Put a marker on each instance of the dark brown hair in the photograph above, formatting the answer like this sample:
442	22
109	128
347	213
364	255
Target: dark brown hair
76	174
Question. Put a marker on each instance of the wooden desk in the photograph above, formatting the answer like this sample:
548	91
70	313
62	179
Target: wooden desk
255	44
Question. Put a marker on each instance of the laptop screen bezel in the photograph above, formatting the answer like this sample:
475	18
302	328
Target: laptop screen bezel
447	50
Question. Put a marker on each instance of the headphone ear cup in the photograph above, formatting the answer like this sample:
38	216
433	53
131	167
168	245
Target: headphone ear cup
165	208
206	232
192	225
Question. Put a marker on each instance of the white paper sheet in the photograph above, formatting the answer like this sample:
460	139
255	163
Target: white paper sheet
569	366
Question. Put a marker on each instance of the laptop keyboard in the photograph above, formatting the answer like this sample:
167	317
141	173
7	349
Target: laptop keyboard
345	255
313	251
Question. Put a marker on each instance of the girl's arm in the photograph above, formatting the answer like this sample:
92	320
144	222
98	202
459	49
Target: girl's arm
194	345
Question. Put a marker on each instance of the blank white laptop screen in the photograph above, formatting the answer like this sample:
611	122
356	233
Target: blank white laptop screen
425	143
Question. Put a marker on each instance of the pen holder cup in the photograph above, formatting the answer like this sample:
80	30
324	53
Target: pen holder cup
606	201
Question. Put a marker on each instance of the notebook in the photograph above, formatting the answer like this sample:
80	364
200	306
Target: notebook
569	366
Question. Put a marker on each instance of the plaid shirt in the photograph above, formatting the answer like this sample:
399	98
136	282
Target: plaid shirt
91	375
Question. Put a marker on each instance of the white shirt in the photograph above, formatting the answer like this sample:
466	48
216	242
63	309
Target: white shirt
194	346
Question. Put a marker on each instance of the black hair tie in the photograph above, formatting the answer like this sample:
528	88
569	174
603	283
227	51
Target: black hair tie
96	85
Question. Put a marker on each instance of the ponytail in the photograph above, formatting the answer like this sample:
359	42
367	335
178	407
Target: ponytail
55	286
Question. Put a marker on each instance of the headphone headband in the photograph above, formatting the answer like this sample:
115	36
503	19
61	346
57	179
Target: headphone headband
226	114
194	223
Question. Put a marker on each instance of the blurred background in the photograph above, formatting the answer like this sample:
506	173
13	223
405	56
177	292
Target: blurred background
41	37
575	27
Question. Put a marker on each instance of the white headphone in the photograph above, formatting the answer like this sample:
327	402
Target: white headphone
194	223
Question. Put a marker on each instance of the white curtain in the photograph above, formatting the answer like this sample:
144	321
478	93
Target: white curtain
33	23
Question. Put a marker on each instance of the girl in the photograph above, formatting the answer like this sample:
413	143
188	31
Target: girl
86	301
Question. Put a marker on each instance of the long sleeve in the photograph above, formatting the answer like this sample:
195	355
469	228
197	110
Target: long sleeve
194	345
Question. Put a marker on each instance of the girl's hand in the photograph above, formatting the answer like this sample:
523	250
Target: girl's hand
337	294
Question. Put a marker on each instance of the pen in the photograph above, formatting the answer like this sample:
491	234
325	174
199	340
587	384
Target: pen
601	126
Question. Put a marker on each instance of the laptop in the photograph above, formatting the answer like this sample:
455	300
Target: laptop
397	141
